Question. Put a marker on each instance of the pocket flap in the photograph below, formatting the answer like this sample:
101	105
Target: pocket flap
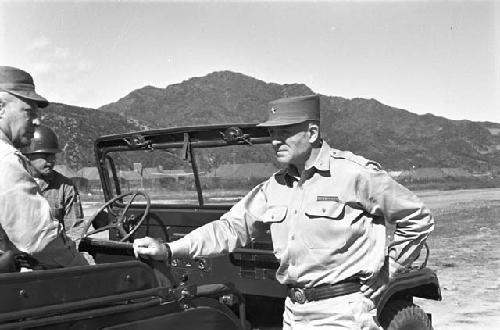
275	214
325	209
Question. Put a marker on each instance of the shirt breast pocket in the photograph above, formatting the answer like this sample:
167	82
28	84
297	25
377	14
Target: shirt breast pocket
275	217
331	210
325	225
275	214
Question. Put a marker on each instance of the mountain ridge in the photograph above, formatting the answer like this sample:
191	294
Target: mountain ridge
397	138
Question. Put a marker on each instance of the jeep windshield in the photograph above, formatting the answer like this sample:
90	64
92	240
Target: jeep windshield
207	165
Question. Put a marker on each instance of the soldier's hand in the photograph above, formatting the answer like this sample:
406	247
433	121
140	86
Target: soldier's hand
150	247
379	282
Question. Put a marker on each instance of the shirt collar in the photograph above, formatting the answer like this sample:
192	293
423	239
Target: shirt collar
5	139
322	163
9	146
44	185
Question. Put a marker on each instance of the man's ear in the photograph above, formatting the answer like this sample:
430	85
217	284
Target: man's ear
313	132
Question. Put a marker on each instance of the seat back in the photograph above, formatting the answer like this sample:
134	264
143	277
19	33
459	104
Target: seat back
30	290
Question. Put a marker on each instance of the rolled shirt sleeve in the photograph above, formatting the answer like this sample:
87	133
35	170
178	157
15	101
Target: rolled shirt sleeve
383	196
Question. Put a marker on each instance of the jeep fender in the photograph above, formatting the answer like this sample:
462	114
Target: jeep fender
422	283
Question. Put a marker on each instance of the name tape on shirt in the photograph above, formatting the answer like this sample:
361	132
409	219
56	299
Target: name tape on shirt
327	199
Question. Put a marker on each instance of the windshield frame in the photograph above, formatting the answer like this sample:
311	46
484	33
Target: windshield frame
187	139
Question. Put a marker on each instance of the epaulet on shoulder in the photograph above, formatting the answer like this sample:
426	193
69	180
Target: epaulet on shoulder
360	160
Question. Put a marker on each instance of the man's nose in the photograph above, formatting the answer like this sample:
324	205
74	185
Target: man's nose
275	142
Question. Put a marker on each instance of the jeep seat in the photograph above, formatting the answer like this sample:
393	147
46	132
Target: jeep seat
25	292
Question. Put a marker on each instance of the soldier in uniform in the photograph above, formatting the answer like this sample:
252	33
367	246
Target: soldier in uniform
26	223
327	212
59	190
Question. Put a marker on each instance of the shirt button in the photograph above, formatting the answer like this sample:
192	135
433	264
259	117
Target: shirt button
295	212
292	237
324	210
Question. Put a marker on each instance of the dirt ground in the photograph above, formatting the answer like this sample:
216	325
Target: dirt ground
465	252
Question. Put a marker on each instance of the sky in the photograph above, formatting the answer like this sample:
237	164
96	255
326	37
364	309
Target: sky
425	56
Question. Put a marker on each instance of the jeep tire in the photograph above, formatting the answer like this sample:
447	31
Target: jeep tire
404	315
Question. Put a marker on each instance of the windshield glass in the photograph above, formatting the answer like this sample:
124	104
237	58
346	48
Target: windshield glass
225	173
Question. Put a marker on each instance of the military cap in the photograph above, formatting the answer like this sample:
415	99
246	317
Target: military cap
292	110
20	83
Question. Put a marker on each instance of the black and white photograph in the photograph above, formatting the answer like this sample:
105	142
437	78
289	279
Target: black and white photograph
250	165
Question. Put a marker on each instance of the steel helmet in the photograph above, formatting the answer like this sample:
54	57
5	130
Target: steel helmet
44	141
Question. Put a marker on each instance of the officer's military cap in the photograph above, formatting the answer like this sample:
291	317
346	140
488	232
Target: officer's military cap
292	110
20	83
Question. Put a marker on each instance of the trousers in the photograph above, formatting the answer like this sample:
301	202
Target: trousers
352	311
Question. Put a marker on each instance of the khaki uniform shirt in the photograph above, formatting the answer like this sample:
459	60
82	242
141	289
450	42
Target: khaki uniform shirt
64	202
26	223
326	226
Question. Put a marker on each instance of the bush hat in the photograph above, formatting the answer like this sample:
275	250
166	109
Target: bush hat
20	83
292	110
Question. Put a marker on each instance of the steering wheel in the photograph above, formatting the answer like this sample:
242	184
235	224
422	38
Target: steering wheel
124	223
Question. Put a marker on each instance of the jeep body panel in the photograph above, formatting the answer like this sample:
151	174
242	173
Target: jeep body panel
116	295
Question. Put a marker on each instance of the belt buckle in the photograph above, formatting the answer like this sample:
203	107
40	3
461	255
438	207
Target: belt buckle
299	295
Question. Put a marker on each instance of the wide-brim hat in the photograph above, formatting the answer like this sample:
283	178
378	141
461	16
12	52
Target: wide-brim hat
20	83
292	110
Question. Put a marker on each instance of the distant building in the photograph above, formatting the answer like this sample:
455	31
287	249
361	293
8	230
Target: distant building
89	172
88	180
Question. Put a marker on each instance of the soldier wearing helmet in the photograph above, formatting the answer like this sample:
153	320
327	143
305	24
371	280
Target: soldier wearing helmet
59	190
26	223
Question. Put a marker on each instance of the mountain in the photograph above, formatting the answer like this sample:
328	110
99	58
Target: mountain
218	97
396	138
78	127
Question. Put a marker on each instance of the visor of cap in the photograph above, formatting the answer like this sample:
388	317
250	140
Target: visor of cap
283	121
20	83
30	95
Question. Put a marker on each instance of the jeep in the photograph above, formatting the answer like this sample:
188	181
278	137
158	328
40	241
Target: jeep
164	183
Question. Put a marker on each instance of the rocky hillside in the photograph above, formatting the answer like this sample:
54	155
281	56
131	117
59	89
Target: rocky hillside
77	128
218	97
394	137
